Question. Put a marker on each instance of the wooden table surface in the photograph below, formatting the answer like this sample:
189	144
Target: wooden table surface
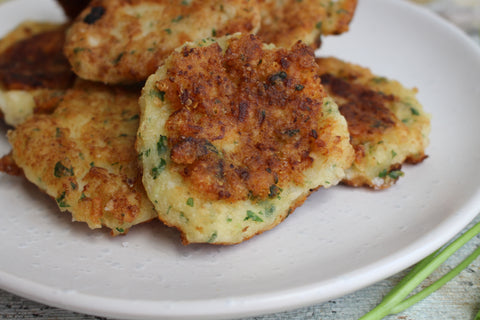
458	299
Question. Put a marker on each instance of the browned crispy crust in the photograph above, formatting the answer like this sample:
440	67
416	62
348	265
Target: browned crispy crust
286	22
364	109
271	117
36	62
109	43
8	165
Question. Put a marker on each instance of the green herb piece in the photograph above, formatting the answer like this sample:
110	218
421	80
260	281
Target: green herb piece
158	169
134	117
121	230
78	50
393	154
319	25
157	93
162	146
168	30
117	59
396	300
61	200
379	79
383	173
274	191
299	87
213	237
414	111
214	33
395	174
190	202
252	216
292	132
61	171
177	19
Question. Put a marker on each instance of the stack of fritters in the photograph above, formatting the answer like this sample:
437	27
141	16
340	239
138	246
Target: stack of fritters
220	133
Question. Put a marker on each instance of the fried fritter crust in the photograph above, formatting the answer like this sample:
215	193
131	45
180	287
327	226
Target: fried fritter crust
34	73
284	22
83	156
119	41
387	124
234	135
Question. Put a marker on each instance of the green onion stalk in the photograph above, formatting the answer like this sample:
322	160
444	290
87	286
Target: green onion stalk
397	300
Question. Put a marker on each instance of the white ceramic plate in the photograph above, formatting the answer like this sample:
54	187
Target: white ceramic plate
341	240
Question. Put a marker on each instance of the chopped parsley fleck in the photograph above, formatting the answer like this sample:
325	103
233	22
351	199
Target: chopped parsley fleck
292	132
157	93
190	202
78	50
299	87
253	216
162	145
274	191
177	19
395	174
214	33
121	230
117	59
158	169
61	171
269	211
414	112
61	200
213	237
319	25
379	79
134	117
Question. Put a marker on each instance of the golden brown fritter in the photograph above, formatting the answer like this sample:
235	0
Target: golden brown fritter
284	22
72	8
386	122
83	156
119	41
34	73
234	135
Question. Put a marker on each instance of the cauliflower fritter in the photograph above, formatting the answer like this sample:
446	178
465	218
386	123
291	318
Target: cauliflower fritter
34	73
284	22
83	156
234	135
119	41
387	124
